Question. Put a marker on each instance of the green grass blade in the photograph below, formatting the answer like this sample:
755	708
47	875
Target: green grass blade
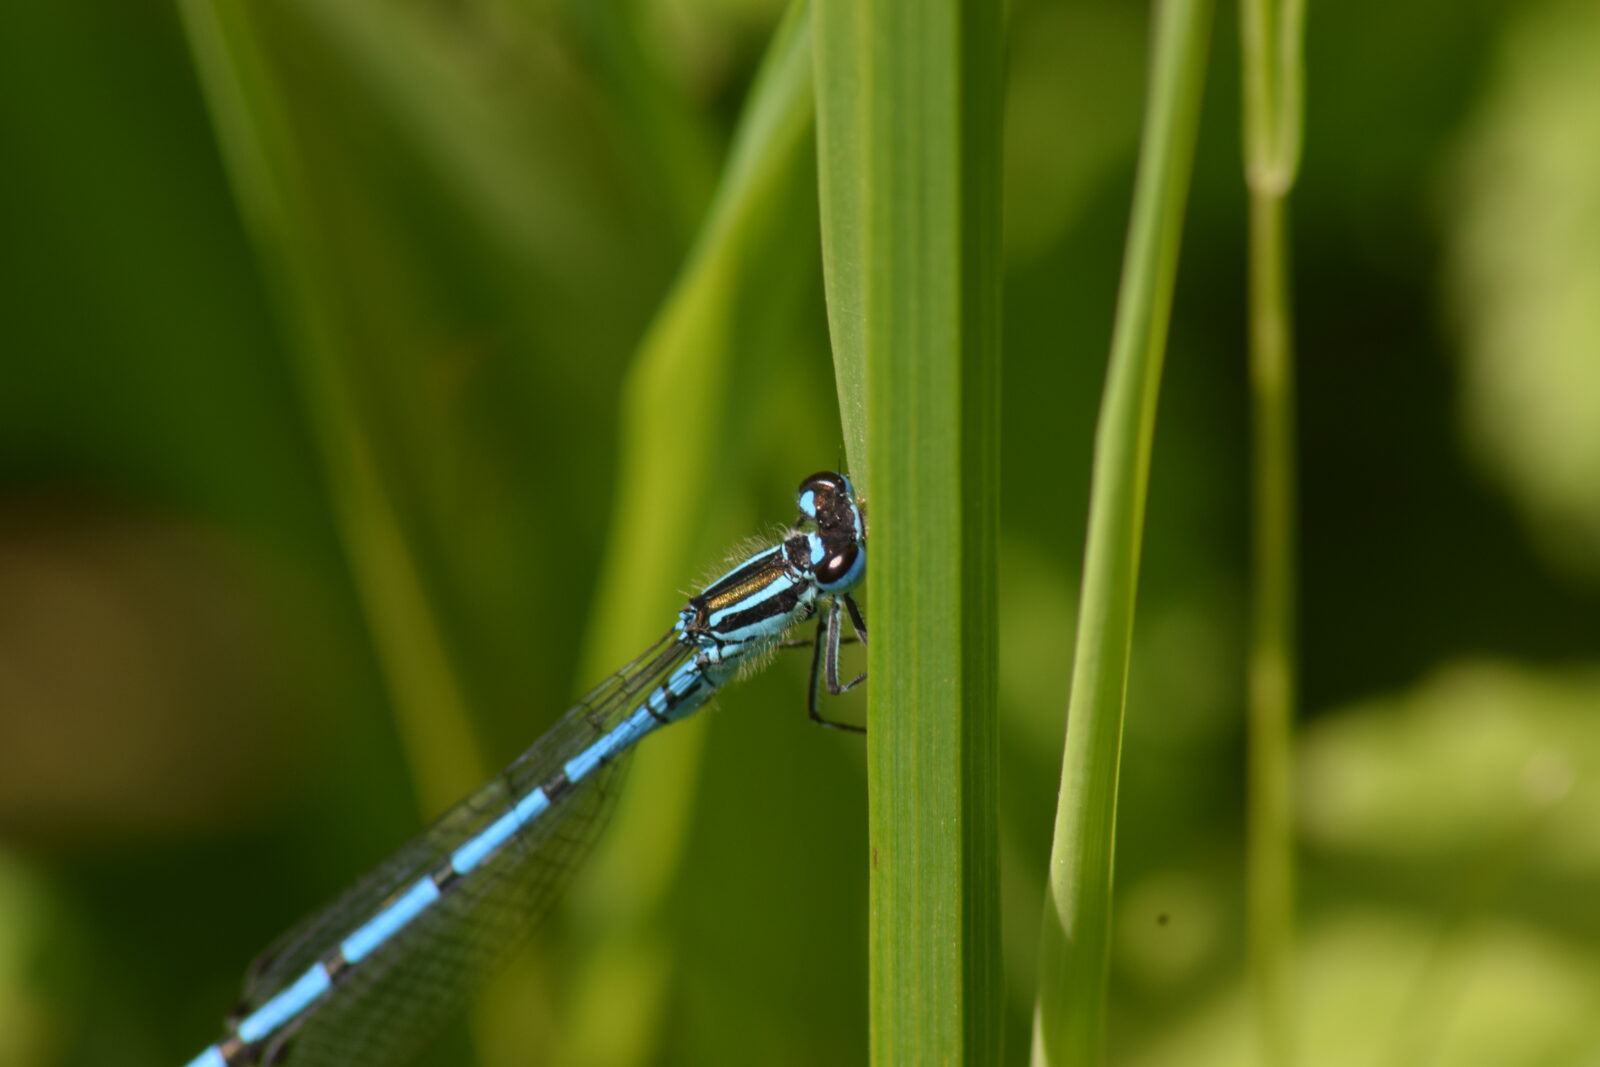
263	165
1272	35
908	119
843	125
675	403
666	138
736	290
492	153
1074	952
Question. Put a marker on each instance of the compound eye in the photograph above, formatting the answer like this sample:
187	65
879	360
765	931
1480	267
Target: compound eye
822	492
837	568
822	482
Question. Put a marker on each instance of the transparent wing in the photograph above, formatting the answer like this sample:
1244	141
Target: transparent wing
383	1009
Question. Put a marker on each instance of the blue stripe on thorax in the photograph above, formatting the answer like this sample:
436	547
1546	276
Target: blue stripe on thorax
754	563
781	583
763	626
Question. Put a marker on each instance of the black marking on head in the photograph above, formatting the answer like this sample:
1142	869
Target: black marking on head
825	484
836	514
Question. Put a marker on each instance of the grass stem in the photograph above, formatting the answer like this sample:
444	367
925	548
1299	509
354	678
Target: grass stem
1074	951
1272	33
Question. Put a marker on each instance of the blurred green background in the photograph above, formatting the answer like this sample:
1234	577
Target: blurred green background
205	730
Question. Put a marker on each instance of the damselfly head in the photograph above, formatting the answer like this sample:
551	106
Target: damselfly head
828	499
824	492
838	551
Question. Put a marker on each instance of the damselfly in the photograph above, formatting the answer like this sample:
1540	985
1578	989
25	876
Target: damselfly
371	977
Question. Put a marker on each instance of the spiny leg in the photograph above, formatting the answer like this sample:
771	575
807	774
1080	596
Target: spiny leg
856	619
833	652
826	651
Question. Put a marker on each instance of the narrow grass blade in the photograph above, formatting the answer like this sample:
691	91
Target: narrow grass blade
1069	1019
675	403
666	137
264	166
737	290
908	98
1272	35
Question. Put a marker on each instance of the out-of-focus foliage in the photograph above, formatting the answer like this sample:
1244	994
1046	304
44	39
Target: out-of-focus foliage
1481	759
1391	988
1455	824
198	739
1525	243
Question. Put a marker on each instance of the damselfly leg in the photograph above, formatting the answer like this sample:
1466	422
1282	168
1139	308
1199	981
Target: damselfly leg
825	661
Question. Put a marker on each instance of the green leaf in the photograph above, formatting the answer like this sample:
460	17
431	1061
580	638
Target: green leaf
1069	1020
908	99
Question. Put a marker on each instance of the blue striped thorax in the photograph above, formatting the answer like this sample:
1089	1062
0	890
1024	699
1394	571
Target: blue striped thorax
756	602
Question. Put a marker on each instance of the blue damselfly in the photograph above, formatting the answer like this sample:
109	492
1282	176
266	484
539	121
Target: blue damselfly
372	976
